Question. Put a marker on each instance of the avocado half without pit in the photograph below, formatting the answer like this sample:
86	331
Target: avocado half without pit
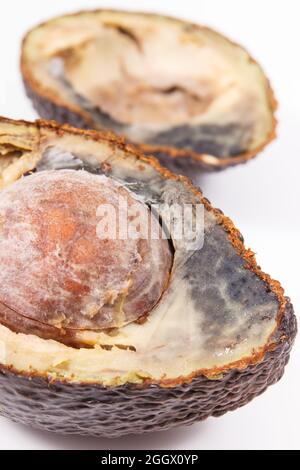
182	91
104	335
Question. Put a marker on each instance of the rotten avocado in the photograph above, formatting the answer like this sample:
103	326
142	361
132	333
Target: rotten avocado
181	91
109	339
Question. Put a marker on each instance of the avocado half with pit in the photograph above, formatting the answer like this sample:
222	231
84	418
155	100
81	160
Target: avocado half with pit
108	335
182	91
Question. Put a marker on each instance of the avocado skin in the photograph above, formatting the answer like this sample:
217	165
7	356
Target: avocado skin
186	164
47	109
94	410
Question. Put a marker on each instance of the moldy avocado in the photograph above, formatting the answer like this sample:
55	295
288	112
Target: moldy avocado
179	90
124	336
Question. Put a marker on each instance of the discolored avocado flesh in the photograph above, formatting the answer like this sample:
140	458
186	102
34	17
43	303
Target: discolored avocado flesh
181	91
214	333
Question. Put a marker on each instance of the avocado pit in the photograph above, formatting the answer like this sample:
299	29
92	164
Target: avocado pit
58	273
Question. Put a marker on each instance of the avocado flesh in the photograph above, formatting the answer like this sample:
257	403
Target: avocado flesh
219	311
170	85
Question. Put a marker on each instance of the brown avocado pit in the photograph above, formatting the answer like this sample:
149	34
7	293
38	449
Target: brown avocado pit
181	91
64	275
217	333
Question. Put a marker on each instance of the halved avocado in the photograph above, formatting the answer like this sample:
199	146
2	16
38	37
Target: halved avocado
214	333
182	91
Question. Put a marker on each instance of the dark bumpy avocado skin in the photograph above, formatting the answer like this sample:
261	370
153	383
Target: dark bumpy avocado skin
49	110
112	412
186	164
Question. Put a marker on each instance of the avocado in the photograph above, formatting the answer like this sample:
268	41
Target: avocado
180	91
111	336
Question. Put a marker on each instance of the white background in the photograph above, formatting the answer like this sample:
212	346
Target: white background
262	198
